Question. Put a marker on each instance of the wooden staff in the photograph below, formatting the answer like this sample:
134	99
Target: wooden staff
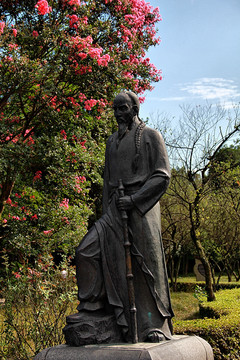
129	274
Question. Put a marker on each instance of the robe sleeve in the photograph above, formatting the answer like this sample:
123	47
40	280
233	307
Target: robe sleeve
106	178
159	172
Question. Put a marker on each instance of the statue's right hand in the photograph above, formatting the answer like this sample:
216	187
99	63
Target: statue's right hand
125	203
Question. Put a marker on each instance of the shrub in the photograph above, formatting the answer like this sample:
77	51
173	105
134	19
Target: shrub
219	325
37	301
189	286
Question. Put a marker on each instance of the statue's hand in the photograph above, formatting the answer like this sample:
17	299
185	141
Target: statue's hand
125	203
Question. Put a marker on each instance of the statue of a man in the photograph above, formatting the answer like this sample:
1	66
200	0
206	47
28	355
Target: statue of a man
137	155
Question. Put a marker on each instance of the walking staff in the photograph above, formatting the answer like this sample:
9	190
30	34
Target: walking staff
129	274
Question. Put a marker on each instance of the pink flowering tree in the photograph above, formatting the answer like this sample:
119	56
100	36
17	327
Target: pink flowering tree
61	64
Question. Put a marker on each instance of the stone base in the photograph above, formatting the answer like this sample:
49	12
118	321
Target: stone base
180	348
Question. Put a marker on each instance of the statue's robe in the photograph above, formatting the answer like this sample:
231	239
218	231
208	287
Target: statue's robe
100	258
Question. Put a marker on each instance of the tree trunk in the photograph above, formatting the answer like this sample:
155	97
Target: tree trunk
206	265
176	272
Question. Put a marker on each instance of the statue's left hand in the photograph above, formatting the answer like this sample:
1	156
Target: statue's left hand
125	203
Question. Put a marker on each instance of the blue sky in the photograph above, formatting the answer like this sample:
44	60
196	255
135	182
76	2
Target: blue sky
199	55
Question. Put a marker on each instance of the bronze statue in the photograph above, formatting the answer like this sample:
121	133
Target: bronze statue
135	154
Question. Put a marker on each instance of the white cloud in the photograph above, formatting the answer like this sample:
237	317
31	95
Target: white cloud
173	98
212	88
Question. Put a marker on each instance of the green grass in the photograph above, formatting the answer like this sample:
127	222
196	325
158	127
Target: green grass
185	306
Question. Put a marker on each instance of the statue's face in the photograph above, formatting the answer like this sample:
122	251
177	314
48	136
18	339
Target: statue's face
123	109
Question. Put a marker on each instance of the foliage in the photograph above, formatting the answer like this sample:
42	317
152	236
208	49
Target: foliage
200	294
61	64
220	325
37	300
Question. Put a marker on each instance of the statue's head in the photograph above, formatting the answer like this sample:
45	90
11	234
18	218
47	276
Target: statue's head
126	106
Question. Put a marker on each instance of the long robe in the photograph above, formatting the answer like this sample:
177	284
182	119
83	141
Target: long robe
103	246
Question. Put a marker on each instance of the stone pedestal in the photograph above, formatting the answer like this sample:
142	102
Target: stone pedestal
180	348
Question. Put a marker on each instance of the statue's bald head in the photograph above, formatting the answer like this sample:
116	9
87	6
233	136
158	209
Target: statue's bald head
130	96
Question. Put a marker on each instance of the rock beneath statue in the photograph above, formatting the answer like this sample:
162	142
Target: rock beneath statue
89	330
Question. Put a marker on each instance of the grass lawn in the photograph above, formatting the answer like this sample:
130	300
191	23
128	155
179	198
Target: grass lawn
185	306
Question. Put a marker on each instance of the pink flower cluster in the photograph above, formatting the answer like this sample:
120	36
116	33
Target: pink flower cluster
42	7
64	134
104	60
72	2
79	46
35	34
89	104
10	203
14	32
64	203
78	180
38	176
74	21
2	26
48	232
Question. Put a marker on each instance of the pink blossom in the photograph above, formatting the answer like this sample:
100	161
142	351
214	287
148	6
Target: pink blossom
64	134
9	58
4	221
84	20
34	217
78	180
74	2
12	46
95	52
9	202
83	144
89	104
141	99
103	61
27	131
16	217
17	275
82	97
74	21
42	7
14	32
48	232
65	219
82	55
2	26
35	34
38	176
64	203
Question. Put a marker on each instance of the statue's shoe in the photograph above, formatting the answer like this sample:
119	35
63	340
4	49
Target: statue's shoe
155	337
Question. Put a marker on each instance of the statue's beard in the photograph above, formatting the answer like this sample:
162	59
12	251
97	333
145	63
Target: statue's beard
123	127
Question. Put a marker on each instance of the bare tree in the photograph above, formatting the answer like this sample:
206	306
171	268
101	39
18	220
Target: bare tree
193	147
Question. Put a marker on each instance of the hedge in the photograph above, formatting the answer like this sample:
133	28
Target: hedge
190	286
219	325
